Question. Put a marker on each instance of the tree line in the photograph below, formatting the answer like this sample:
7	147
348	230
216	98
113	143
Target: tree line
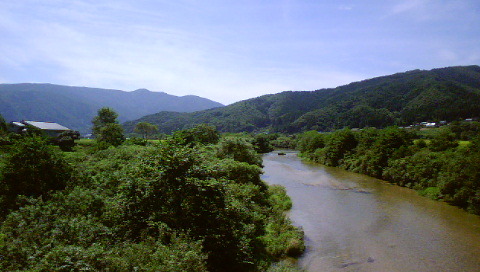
437	167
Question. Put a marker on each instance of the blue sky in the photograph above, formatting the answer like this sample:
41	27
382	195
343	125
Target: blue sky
231	50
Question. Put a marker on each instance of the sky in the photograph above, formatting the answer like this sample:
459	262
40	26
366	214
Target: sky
229	51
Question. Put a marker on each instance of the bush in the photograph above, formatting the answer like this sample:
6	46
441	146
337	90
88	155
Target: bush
110	134
443	141
431	192
281	237
288	142
309	141
262	143
66	140
239	150
201	134
33	168
136	141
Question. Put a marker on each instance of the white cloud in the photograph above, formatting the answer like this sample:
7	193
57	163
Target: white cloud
409	5
438	10
346	7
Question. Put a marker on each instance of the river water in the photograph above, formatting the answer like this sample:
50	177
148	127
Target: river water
357	223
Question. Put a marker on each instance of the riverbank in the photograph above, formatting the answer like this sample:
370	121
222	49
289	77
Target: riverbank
353	222
439	170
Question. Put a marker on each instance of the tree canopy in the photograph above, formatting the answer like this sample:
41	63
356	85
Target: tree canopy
106	128
145	129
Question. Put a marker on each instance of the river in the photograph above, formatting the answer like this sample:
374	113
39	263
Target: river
354	222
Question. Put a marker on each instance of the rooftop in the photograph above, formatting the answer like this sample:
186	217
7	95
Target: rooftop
46	125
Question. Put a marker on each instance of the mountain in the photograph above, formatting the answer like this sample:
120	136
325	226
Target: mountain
74	107
400	99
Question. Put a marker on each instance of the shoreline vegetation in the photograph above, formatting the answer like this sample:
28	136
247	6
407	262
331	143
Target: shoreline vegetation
442	167
191	202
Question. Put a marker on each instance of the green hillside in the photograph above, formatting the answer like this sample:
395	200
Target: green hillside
74	107
400	99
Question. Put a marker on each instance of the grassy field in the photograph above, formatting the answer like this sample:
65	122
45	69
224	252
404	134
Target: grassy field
461	144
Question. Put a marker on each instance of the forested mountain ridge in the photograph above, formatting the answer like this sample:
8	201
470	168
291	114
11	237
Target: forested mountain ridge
74	107
399	99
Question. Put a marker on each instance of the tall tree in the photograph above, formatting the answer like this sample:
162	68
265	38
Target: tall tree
105	116
106	128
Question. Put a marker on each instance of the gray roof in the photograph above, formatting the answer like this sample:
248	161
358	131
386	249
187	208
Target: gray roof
46	125
18	124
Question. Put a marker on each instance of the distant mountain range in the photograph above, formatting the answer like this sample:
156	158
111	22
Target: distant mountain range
74	107
400	99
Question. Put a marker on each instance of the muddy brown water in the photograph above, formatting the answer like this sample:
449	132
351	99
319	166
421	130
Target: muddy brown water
357	223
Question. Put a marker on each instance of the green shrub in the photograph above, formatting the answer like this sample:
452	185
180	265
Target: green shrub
33	168
431	192
239	150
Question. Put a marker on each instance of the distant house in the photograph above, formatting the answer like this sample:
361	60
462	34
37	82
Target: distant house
428	124
49	128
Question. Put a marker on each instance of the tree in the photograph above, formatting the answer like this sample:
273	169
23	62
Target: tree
106	128
201	134
105	116
66	140
145	129
443	141
262	143
339	143
111	134
309	141
206	134
239	150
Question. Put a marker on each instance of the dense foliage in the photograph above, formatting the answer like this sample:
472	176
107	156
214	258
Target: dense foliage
165	206
401	99
437	167
32	168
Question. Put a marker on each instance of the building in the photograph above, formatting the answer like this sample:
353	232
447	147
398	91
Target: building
48	128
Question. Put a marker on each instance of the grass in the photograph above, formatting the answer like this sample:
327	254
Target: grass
431	192
87	142
463	143
428	132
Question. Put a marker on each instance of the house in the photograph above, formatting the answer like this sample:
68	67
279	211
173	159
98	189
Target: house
16	127
48	128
